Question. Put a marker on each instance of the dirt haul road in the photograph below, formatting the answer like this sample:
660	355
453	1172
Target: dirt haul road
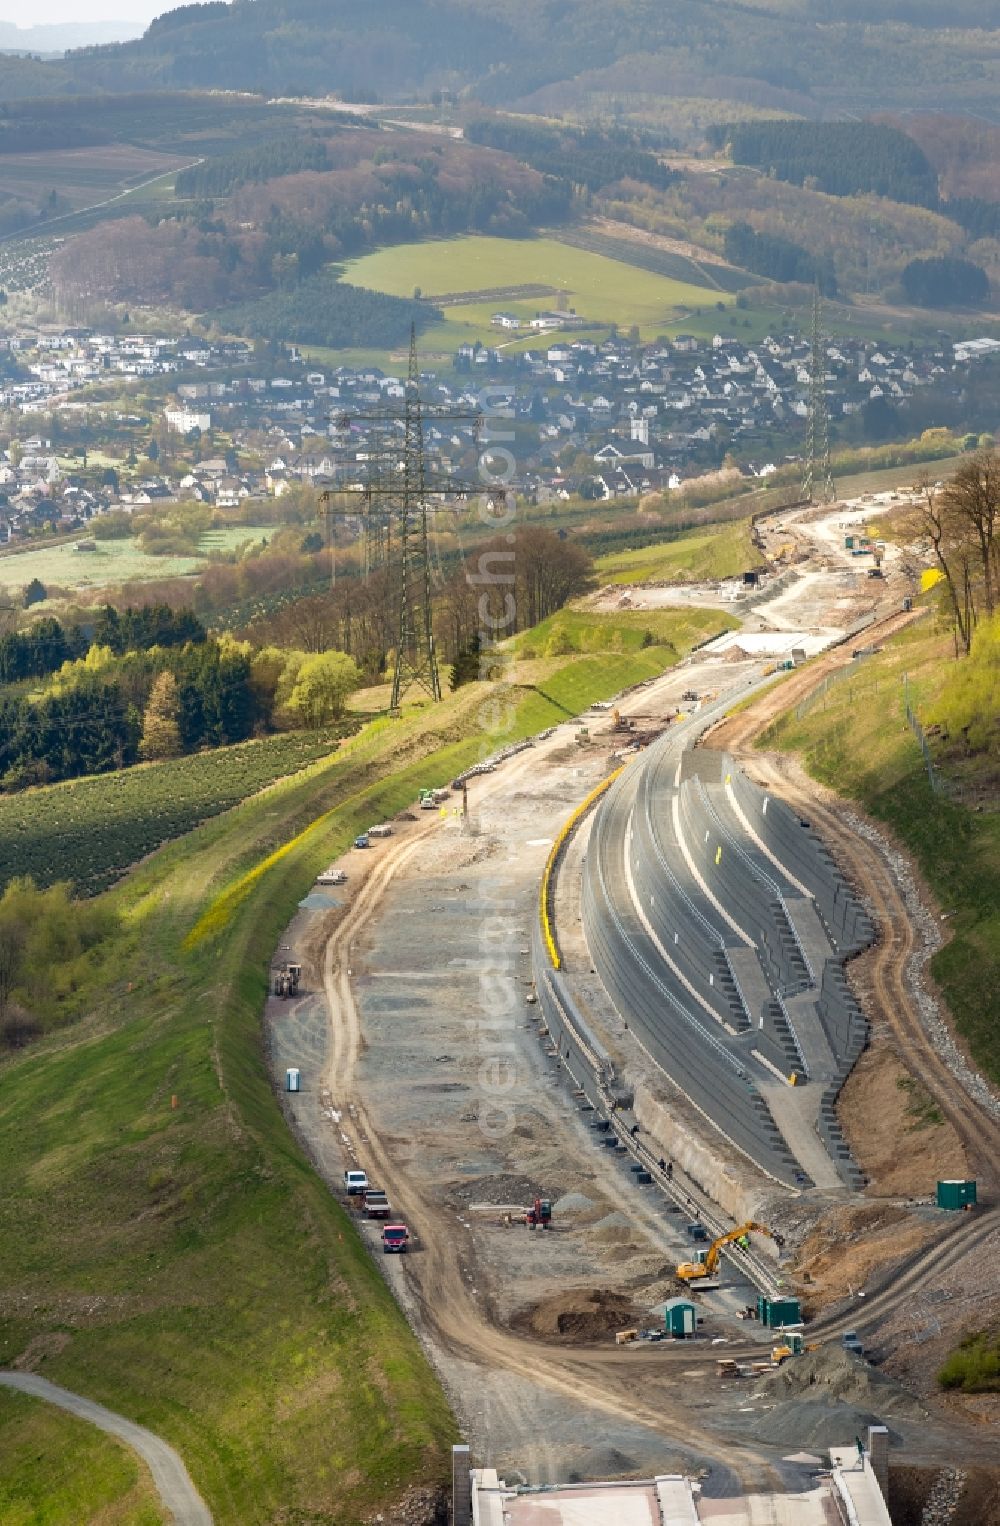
519	1397
654	1403
435	1283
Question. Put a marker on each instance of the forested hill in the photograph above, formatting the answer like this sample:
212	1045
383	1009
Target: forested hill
876	53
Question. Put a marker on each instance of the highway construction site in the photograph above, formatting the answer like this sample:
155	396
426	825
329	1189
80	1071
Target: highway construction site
662	988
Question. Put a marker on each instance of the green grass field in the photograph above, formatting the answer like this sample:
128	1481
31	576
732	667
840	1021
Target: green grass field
602	290
854	738
231	537
579	631
114	561
887	478
83	176
185	1266
60	1471
722	551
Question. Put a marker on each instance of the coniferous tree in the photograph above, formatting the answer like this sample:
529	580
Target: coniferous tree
466	666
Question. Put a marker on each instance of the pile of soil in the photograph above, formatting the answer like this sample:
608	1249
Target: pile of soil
502	1188
580	1316
851	1244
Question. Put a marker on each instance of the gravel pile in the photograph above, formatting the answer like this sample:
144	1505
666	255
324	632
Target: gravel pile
826	1398
572	1202
834	1377
929	941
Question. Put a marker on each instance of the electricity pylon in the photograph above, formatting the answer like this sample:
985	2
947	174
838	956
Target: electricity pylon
416	659
395	514
818	479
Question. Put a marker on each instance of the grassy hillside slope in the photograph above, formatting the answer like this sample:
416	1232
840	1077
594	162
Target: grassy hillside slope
716	552
86	1475
185	1266
855	738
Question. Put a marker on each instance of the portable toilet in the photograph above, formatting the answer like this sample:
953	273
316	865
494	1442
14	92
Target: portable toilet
293	1080
956	1194
680	1318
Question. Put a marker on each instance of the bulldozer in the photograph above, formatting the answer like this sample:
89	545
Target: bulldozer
692	1271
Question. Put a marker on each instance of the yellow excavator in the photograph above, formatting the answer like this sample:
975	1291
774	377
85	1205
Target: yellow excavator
690	1271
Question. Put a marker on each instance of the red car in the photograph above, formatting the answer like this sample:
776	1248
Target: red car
395	1239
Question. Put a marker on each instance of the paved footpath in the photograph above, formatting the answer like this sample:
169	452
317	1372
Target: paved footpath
181	1500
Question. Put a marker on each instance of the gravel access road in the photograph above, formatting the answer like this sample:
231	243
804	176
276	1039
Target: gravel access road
181	1500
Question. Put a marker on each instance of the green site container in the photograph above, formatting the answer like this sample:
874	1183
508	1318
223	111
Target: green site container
775	1313
848	541
680	1318
956	1194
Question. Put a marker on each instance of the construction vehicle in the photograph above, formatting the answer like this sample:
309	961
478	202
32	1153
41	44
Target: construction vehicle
286	980
332	876
430	799
395	1239
691	1271
382	830
539	1215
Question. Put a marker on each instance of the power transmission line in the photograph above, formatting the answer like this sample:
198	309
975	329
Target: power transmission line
818	479
395	514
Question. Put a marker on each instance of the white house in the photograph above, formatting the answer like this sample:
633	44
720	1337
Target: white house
185	420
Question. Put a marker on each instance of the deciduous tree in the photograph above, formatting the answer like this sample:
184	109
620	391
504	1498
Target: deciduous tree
320	692
161	735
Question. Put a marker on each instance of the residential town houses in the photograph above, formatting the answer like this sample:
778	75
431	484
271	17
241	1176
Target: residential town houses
603	419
